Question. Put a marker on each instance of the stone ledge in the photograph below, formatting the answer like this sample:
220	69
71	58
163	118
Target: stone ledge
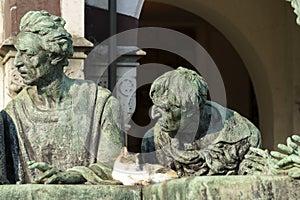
226	187
204	187
43	192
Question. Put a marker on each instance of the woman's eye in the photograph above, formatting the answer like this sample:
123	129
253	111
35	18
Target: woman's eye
27	55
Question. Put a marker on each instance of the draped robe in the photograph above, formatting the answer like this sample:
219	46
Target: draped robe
86	130
223	139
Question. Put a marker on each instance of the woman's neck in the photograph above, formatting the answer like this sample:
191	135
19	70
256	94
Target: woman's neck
51	94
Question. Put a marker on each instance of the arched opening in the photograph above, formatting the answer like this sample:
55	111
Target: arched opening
239	89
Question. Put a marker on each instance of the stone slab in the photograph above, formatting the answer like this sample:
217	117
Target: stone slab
203	187
225	187
45	192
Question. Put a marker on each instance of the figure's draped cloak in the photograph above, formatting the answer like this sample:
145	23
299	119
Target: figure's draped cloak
87	128
2	153
219	151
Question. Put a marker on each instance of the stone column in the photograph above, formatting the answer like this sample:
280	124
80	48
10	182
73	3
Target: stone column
97	30
11	11
96	66
73	13
1	66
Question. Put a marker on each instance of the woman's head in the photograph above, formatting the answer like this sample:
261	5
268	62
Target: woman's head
53	36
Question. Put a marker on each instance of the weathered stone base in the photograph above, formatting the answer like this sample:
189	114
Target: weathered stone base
69	192
226	187
205	187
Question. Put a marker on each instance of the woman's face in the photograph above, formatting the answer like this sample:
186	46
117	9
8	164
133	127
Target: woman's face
168	115
32	61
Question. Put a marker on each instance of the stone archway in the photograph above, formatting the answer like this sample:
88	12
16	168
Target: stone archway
260	31
239	89
222	15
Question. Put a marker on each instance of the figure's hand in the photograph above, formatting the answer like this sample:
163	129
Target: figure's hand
65	177
289	160
39	165
259	161
105	173
291	156
96	173
53	175
46	169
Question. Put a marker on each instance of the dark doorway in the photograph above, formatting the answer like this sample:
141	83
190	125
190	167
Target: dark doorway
238	85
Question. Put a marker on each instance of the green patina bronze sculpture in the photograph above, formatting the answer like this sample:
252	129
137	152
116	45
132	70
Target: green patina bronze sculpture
287	162
62	130
195	136
57	130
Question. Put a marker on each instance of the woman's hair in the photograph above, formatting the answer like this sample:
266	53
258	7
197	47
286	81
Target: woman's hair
181	87
50	28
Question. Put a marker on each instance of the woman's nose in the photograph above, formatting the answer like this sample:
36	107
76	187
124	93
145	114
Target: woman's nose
155	112
18	62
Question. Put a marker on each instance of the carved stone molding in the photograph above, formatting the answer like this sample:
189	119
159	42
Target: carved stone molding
12	80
